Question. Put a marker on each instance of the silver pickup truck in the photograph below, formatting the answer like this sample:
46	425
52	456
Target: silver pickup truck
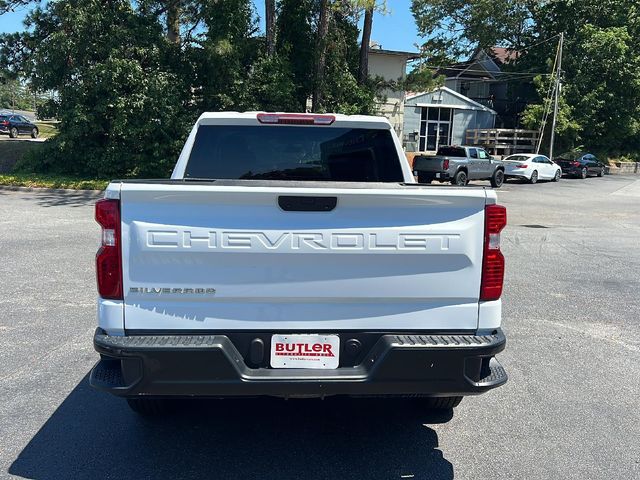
458	165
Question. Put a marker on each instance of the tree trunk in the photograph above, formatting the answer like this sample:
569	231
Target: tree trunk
321	55
173	21
270	20
363	72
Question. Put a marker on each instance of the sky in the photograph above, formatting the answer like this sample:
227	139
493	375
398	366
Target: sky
394	31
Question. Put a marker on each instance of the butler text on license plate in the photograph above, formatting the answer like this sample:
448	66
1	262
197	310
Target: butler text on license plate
305	351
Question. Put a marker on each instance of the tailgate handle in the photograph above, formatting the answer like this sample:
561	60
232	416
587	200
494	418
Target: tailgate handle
307	204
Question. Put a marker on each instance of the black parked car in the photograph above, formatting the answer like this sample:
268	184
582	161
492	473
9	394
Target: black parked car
580	164
15	125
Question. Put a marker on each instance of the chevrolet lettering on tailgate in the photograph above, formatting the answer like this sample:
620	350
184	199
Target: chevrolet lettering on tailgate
202	239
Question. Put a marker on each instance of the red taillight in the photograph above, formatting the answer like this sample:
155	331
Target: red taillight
109	258
5	123
495	219
445	164
575	164
520	166
295	119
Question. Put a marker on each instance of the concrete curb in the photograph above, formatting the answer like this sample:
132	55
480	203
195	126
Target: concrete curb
66	191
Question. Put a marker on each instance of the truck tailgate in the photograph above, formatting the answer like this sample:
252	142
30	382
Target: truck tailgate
210	257
425	163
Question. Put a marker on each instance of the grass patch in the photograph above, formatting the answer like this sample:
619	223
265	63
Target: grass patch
51	181
47	129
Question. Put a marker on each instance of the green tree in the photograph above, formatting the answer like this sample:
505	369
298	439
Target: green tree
339	87
295	43
601	62
567	128
271	85
129	78
15	95
121	111
321	45
452	28
224	55
601	66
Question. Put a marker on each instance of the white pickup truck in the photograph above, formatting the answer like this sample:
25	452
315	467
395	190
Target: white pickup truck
294	255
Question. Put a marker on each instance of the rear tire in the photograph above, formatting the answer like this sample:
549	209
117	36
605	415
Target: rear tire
497	179
460	179
601	172
149	407
441	403
534	177
34	132
583	173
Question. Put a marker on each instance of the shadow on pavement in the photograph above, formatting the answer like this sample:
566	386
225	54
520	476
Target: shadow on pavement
69	199
94	435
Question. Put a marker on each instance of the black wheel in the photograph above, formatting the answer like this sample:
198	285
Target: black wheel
583	173
534	177
557	176
601	172
34	132
13	132
441	403
149	407
460	178
497	179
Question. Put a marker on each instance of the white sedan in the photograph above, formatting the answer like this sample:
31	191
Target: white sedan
531	167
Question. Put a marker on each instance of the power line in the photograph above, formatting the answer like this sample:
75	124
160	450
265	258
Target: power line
455	66
541	42
467	69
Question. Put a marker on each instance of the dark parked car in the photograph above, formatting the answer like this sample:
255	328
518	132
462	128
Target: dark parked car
580	164
15	125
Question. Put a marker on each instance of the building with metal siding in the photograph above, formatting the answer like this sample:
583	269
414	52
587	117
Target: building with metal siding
442	117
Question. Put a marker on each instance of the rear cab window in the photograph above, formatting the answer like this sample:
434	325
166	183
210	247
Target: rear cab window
285	152
450	151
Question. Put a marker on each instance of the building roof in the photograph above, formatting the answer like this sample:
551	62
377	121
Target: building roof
471	68
381	51
475	105
474	68
503	55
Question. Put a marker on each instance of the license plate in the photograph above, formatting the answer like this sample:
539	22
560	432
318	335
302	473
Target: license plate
437	175
305	351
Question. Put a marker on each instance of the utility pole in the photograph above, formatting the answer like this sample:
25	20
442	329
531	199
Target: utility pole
558	87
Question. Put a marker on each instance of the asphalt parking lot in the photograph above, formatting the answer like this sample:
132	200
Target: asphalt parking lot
571	408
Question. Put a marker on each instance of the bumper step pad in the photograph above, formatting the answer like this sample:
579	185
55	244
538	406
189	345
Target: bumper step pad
497	374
